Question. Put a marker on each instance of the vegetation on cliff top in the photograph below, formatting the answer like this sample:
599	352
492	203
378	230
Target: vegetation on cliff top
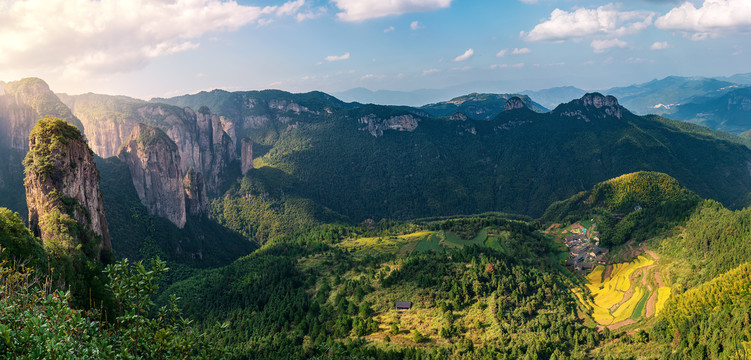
46	140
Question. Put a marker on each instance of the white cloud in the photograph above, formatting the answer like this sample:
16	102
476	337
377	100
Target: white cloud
521	51
430	71
344	56
529	1
467	54
602	45
659	45
711	19
104	36
312	14
371	76
359	10
505	66
604	20
388	29
501	53
415	25
635	60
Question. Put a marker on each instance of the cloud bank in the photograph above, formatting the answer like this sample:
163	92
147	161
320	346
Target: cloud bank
110	36
359	10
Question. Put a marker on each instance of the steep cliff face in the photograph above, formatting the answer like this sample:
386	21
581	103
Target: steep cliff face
154	163
246	155
376	125
216	149
196	201
513	104
62	190
205	141
24	102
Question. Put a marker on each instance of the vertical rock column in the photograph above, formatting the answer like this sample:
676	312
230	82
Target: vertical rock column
246	155
62	190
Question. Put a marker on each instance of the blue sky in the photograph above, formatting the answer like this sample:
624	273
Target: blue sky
146	48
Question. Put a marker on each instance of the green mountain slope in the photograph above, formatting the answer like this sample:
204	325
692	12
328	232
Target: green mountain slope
312	294
634	206
519	162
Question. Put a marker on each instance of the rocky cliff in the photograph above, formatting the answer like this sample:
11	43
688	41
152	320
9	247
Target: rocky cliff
24	102
200	136
513	104
154	163
592	106
376	125
246	155
62	190
196	201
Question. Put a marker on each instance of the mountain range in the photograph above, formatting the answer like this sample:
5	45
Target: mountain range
300	220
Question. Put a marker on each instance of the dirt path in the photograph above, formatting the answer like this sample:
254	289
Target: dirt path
658	280
617	325
651	305
608	271
652	254
626	297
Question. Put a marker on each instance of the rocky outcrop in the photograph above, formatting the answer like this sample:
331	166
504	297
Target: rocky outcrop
204	141
196	201
592	106
376	125
154	163
24	102
215	148
460	116
246	155
62	190
513	104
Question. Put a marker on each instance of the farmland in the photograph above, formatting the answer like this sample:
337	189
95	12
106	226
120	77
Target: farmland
625	292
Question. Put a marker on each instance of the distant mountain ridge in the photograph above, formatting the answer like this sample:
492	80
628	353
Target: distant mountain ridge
478	106
730	112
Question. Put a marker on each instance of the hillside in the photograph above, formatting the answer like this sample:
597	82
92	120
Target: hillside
519	162
476	287
633	207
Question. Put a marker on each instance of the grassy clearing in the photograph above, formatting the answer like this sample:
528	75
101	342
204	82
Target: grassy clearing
402	244
663	294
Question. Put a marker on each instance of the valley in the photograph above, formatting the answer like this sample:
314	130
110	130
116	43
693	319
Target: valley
299	226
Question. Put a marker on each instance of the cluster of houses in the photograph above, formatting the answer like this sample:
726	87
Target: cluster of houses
584	252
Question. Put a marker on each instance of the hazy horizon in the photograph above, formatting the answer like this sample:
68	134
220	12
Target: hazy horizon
146	49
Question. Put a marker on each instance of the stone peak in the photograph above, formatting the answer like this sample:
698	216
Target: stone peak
514	103
598	100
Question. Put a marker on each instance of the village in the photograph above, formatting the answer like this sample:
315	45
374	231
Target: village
583	246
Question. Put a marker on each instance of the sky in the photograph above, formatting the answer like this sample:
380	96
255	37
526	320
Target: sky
163	48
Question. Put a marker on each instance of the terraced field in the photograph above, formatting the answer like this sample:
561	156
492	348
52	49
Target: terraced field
624	293
424	241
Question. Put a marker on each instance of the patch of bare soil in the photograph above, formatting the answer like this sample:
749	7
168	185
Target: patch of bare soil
651	305
617	325
608	271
